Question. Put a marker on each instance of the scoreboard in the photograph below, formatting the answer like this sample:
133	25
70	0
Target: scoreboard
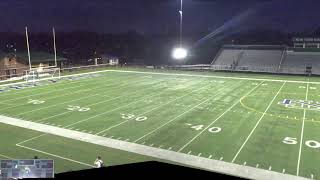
27	168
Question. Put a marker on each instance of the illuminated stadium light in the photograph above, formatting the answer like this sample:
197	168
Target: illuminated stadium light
179	53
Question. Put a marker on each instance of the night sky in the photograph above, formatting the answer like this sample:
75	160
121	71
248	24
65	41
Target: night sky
156	16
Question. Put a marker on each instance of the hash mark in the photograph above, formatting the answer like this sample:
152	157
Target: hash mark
257	165
210	156
270	168
143	142
284	170
160	146
127	139
189	152
199	154
311	176
151	145
221	158
119	138
170	148
244	163
188	124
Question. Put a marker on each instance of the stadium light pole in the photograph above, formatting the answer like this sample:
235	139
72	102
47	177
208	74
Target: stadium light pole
180	52
181	18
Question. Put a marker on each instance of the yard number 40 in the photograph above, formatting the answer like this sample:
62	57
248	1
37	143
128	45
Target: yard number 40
310	143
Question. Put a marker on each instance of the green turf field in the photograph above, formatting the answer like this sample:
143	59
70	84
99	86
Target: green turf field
271	125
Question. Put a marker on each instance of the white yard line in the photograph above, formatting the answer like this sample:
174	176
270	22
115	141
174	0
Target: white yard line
185	112
264	113
30	90
7	157
54	155
65	94
89	105
157	107
47	92
195	137
80	91
36	137
188	160
46	107
97	115
302	129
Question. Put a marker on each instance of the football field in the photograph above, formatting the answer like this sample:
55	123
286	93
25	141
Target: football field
267	124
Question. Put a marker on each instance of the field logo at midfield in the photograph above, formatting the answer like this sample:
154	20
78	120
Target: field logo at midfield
301	104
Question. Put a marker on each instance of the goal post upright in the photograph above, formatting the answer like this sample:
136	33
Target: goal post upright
37	73
54	47
28	48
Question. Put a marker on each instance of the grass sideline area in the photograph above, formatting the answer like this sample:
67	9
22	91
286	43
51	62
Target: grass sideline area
250	122
87	69
65	152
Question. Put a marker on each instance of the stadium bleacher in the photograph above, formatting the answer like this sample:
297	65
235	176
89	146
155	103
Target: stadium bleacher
227	57
272	59
300	60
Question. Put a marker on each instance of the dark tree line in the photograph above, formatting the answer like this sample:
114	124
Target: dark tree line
132	47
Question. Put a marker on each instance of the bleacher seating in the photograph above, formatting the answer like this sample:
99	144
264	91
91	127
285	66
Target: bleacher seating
227	57
299	61
266	59
269	58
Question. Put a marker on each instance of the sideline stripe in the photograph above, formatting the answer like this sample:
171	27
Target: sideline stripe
220	77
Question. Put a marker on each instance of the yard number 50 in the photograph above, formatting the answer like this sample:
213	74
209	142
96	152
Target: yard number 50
310	143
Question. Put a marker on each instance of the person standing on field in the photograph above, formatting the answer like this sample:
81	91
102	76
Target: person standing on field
98	162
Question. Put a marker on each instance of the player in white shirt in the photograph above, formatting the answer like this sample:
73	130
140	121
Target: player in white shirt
98	162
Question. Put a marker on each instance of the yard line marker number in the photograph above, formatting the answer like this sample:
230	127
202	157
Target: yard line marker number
217	129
